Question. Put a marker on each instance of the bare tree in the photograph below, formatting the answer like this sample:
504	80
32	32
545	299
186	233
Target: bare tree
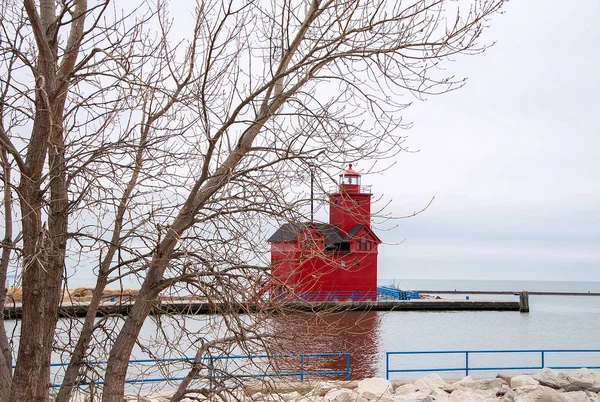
148	153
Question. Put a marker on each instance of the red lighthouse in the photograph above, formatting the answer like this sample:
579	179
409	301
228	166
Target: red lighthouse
330	261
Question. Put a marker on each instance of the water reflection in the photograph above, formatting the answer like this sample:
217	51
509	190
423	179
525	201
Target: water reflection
351	332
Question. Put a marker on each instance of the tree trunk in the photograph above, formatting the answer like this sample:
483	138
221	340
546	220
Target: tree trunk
7	243
118	360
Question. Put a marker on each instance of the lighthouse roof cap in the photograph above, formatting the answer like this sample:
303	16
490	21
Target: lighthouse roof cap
350	171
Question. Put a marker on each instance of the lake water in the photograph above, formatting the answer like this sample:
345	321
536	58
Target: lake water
554	322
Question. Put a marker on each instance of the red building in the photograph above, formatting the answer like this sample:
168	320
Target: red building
335	260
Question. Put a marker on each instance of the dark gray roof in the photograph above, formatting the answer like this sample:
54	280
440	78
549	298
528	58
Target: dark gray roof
289	232
352	232
331	233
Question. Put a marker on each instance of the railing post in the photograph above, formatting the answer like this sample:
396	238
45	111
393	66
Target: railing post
543	362
387	365
210	372
524	301
347	366
302	368
466	363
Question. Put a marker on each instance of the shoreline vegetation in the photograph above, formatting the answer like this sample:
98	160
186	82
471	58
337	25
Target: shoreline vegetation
79	293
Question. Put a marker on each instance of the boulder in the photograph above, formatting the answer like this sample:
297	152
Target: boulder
431	381
509	396
484	384
523	380
406	389
438	395
374	387
505	377
582	379
532	393
321	388
550	378
292	396
576	396
343	395
419	396
310	399
467	395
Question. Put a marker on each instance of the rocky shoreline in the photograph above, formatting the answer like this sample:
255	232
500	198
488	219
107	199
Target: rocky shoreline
580	385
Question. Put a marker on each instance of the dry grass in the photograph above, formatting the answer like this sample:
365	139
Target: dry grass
15	293
80	292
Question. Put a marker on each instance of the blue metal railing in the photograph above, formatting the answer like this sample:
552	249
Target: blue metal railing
338	295
399	294
469	353
214	374
349	295
328	296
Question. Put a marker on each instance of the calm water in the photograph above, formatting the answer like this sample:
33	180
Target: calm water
555	322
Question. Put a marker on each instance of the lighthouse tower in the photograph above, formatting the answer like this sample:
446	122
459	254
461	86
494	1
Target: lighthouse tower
330	261
350	203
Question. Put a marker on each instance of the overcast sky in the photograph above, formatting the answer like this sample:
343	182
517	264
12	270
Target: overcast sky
513	158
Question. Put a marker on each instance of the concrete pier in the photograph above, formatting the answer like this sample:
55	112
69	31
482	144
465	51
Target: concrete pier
192	307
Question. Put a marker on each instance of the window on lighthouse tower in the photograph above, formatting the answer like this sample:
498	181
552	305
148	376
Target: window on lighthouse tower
352	180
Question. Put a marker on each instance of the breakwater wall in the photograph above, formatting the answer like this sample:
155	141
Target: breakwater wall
192	307
505	292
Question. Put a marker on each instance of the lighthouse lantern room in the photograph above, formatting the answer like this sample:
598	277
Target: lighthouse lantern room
330	261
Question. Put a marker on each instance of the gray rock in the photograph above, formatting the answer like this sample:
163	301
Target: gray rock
523	380
509	396
431	381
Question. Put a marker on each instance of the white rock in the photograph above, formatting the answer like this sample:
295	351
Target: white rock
310	399
575	396
523	380
480	384
406	389
540	393
321	388
419	396
431	381
550	378
374	386
467	395
343	395
583	379
292	396
438	395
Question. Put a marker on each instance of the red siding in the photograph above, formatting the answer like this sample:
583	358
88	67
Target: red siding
303	266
